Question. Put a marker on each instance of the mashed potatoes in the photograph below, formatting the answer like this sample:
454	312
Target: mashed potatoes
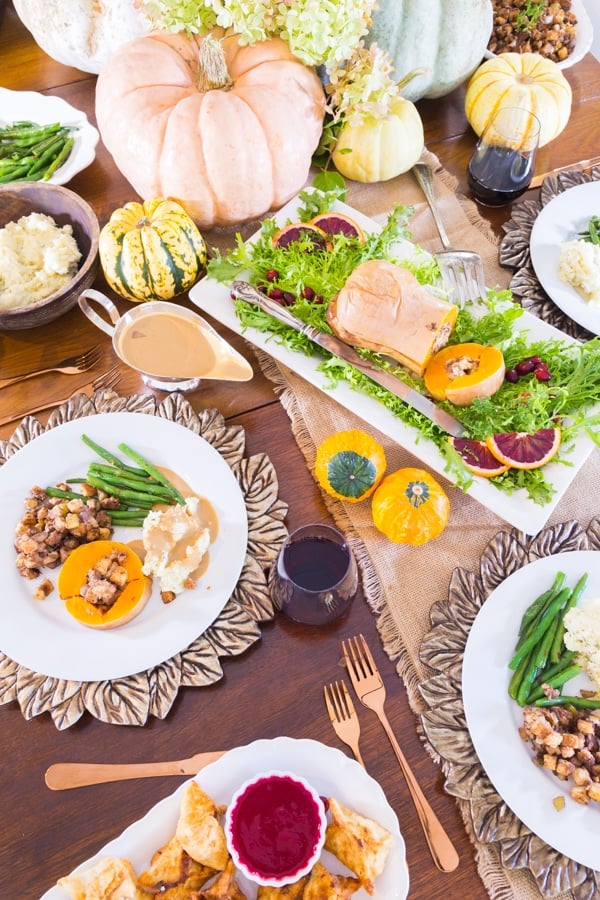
579	266
37	257
175	541
583	635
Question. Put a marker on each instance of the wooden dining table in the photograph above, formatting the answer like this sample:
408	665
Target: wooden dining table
276	687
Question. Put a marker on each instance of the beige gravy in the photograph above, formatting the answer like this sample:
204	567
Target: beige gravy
174	347
208	517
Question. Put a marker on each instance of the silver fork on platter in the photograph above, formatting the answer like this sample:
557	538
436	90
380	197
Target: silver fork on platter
343	716
105	381
72	365
370	689
462	270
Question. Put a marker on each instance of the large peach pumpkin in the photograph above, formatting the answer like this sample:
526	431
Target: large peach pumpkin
227	130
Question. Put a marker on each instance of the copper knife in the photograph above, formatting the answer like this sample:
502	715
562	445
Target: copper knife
243	290
537	180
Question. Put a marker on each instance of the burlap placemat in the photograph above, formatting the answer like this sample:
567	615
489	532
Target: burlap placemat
401	583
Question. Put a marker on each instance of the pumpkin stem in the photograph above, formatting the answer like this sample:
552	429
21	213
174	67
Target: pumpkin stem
409	77
212	71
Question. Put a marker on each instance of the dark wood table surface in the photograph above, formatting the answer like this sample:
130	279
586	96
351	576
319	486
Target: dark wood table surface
276	687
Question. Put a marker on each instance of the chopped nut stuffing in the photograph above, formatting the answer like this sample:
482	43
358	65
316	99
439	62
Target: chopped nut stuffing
567	743
552	33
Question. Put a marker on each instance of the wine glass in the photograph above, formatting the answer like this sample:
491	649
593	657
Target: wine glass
502	163
315	577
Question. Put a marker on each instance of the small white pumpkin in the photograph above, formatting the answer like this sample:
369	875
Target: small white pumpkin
378	149
81	33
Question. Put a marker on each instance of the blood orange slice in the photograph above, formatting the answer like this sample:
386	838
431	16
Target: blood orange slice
478	457
521	450
338	223
304	231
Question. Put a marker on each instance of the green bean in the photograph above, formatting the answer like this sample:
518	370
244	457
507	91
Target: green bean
144	482
577	702
110	457
152	470
524	646
67	495
565	660
150	490
573	600
540	603
519	674
144	501
58	160
554	681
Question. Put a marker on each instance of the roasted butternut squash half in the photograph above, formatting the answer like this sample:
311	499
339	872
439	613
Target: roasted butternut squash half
462	372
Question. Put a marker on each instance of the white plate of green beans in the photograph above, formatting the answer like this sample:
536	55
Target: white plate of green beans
40	634
43	138
494	718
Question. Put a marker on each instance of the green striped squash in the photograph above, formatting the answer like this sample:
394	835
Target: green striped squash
151	250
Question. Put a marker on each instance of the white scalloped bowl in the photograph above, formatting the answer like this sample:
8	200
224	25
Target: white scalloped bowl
275	828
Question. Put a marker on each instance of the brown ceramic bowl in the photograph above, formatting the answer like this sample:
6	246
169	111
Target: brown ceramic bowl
65	207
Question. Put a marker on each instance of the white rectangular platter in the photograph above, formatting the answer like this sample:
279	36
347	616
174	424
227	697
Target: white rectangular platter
517	509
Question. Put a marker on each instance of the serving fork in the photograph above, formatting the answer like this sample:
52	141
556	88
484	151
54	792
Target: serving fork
343	716
72	365
105	381
462	270
370	689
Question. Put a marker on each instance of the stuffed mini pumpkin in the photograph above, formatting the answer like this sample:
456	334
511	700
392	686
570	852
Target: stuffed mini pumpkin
349	465
151	250
228	130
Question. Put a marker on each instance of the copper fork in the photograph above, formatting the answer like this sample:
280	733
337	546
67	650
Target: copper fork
343	716
105	381
72	365
370	689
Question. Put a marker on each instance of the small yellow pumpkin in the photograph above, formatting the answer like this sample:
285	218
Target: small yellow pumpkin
151	250
410	507
380	148
349	465
524	80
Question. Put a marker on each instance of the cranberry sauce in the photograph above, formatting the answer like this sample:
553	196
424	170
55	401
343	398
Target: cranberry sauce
276	826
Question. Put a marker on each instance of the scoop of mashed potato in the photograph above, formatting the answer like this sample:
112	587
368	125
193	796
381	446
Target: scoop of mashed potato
579	266
37	257
175	541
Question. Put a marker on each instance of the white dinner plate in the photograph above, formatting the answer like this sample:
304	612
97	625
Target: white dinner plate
45	109
41	635
493	718
214	298
330	772
561	219
583	42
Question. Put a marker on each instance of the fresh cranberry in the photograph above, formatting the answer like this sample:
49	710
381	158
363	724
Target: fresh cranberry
525	367
272	275
308	293
542	372
288	298
511	375
536	360
276	294
318	298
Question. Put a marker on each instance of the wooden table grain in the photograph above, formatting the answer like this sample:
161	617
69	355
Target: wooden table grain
276	687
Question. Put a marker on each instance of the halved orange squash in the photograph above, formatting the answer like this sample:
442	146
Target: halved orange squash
461	373
73	575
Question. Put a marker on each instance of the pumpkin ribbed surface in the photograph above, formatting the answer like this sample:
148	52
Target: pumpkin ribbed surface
349	465
446	39
410	507
151	250
520	80
230	144
380	149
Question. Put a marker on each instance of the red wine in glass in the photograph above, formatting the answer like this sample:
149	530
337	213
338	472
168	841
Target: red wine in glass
315	577
499	175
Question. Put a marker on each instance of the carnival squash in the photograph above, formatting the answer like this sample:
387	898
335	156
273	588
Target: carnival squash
350	464
151	250
410	507
81	33
227	130
383	307
520	80
446	39
380	148
463	372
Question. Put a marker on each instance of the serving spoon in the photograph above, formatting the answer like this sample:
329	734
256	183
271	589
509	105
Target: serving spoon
62	776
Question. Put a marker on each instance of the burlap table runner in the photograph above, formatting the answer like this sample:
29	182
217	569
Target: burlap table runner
401	583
